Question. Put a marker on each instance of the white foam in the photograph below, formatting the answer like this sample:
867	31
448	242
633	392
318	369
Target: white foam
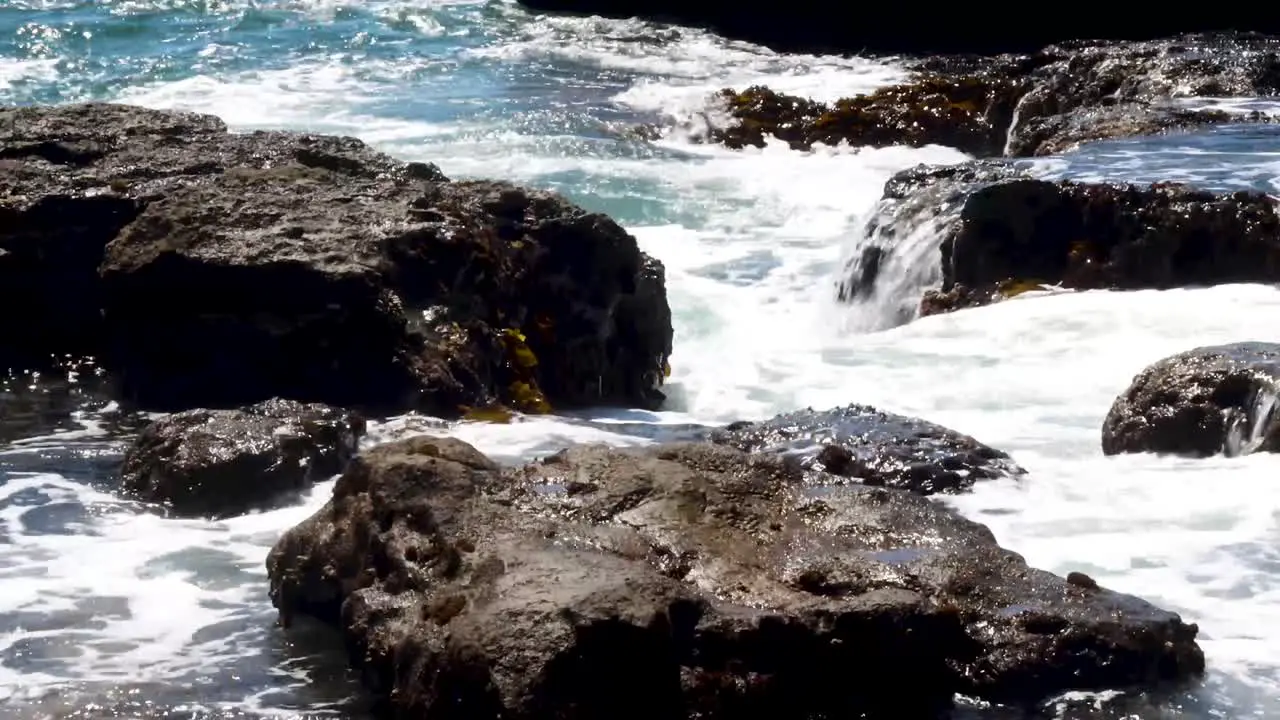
753	243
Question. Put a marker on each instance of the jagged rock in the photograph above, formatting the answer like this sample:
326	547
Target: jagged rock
214	269
1211	400
1001	232
690	580
969	114
227	462
875	447
810	26
1023	105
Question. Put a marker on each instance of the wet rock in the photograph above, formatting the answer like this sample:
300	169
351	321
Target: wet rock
894	262
227	462
211	269
1023	233
1001	232
1056	134
689	580
966	113
1023	105
875	447
1211	400
809	26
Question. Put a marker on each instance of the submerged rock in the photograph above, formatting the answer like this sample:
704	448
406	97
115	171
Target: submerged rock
1206	401
1023	105
211	269
875	447
1000	232
690	580
227	462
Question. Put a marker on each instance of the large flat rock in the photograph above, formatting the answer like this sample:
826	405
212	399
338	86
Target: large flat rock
691	580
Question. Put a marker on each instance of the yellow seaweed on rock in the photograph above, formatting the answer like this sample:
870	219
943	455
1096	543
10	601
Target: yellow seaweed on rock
521	360
1014	288
528	398
499	414
518	351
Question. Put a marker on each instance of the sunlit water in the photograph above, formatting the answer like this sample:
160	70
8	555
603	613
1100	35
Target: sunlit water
103	601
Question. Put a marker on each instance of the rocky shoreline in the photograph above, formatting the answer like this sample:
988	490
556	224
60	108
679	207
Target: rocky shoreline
1024	105
273	290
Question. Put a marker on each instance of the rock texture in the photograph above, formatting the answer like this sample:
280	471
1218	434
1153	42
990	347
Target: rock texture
1206	401
690	580
810	26
1023	105
1001	232
227	462
216	269
874	447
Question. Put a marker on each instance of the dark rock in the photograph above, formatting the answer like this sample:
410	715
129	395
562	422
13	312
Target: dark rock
689	580
966	113
232	268
1024	105
1083	236
900	240
1206	401
875	447
810	26
1002	232
227	462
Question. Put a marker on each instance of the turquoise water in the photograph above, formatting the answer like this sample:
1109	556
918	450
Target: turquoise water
103	601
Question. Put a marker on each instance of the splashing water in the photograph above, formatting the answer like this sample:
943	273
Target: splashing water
103	601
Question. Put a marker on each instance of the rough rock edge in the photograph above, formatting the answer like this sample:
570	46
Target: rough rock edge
464	591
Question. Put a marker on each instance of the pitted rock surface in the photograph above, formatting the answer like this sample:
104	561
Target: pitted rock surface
1219	399
227	462
690	580
209	268
875	447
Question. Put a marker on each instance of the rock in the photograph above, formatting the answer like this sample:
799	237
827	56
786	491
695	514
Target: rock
875	447
1206	401
211	269
895	262
1117	236
809	26
1056	134
228	462
969	114
689	580
1023	105
1001	232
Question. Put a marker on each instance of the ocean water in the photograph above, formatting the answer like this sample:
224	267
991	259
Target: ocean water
109	610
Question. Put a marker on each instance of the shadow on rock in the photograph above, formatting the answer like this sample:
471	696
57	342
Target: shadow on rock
690	580
226	462
69	395
1212	400
875	447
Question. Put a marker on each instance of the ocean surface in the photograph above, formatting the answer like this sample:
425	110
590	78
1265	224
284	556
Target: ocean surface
109	610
